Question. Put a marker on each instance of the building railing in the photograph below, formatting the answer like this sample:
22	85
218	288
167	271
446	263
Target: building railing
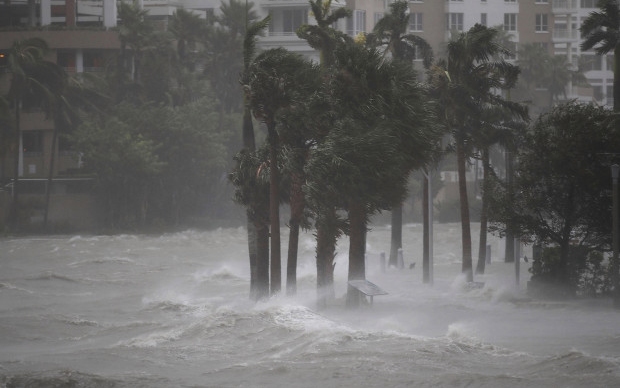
560	6
565	34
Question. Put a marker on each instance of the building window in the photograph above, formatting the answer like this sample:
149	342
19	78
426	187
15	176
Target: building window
32	142
511	55
510	1
454	21
510	22
542	1
591	62
66	60
483	19
292	19
542	22
589	3
93	61
415	22
378	16
357	22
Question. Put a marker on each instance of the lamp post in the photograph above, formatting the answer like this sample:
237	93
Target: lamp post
615	170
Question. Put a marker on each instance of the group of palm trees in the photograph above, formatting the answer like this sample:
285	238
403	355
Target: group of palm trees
344	135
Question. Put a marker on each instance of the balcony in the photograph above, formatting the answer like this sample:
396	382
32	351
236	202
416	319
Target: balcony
565	6
563	35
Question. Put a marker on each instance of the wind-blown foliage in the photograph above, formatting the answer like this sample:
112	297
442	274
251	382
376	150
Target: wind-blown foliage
560	183
391	32
465	84
382	129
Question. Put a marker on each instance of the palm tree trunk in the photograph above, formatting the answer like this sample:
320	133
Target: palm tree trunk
253	254
326	237
297	209
249	144
509	256
262	261
274	211
397	234
482	245
426	274
357	249
465	227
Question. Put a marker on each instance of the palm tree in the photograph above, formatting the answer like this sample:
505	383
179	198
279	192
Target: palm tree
258	232
225	46
133	34
465	84
325	39
272	86
187	29
498	125
382	129
601	31
30	73
322	36
390	32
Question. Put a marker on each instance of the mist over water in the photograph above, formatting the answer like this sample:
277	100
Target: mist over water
173	311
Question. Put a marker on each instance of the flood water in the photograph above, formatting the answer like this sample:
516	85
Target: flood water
172	310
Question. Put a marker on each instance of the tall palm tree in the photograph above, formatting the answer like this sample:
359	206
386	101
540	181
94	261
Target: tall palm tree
382	129
498	125
324	38
133	33
225	47
29	73
272	85
258	232
466	83
390	32
601	31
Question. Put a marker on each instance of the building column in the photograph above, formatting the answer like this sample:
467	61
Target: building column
70	13
46	12
32	13
109	13
79	61
20	163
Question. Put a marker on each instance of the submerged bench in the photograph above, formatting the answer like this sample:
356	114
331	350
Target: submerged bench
367	288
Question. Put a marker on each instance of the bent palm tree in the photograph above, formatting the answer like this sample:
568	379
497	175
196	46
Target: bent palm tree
468	84
258	232
390	32
272	85
325	39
